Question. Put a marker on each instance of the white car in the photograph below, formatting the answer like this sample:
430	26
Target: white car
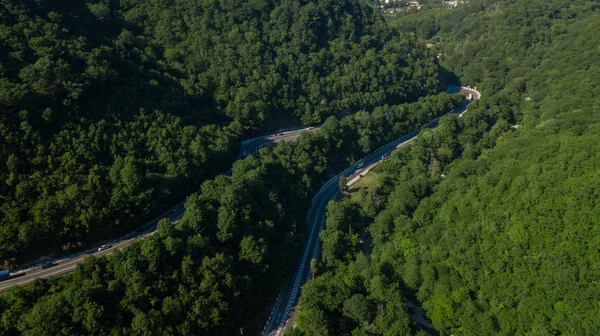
104	247
360	164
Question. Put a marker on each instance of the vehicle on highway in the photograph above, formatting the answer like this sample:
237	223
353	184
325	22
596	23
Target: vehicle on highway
248	148
48	264
104	247
360	164
4	274
385	156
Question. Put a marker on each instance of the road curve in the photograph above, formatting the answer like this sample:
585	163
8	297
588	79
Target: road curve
280	319
251	147
68	264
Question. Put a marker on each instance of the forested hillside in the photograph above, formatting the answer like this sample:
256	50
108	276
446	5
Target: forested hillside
222	266
491	223
111	111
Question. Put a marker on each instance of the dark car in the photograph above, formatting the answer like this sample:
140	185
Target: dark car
48	264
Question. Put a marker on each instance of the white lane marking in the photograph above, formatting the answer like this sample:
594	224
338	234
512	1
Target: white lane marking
321	206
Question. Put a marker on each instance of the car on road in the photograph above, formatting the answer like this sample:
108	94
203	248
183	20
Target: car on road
385	156
104	247
360	164
48	264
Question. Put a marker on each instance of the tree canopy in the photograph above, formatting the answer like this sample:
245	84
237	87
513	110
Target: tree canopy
112	111
490	222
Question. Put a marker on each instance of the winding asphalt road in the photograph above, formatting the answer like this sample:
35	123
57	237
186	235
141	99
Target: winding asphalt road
68	264
281	317
315	219
250	147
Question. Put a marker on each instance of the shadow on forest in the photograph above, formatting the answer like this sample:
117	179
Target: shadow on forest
449	78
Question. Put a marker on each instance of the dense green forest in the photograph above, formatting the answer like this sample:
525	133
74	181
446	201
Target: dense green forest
221	267
490	222
111	111
166	90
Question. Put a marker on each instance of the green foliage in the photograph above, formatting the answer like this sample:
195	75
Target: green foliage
113	111
353	298
357	308
221	267
492	229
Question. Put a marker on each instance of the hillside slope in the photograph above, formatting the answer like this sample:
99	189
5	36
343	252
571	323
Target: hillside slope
114	111
490	223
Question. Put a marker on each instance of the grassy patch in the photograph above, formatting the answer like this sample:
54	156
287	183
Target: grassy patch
365	183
